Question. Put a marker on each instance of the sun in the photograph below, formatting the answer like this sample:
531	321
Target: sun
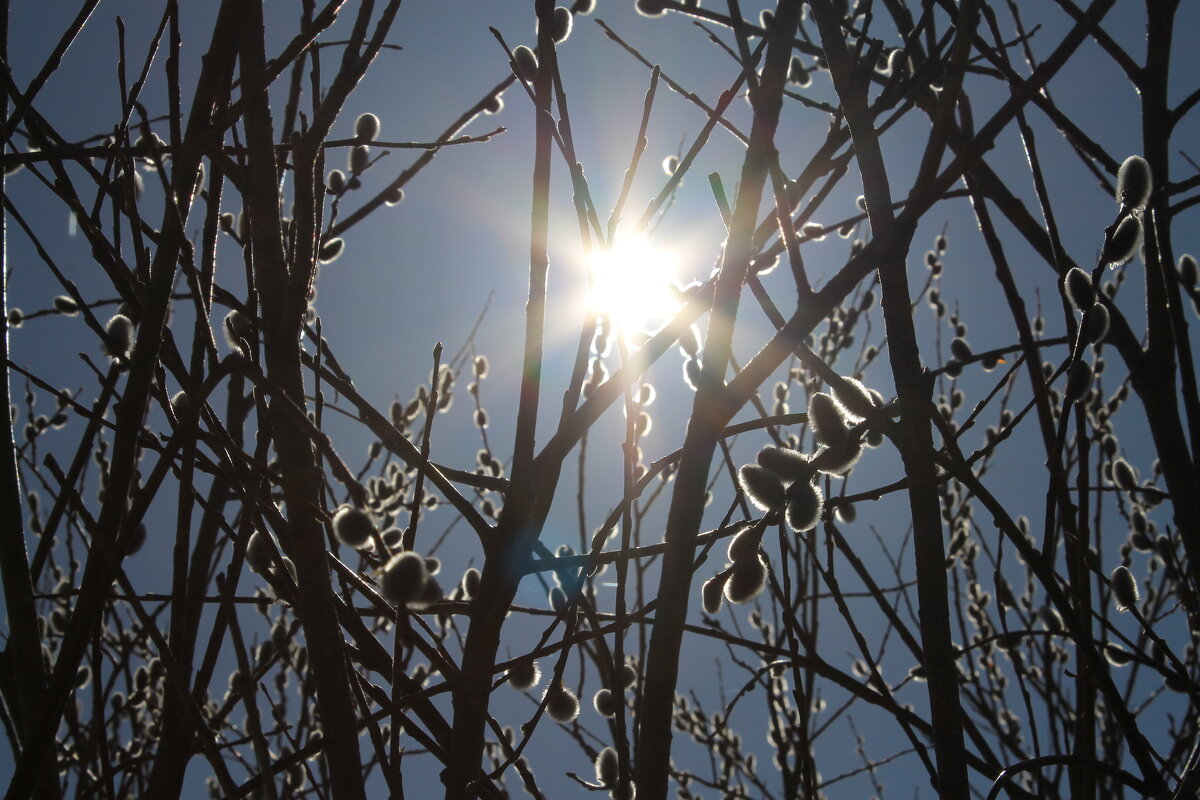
633	283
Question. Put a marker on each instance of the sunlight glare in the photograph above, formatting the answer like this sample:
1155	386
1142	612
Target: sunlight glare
633	283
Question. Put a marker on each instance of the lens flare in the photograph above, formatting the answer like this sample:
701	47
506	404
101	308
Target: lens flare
633	284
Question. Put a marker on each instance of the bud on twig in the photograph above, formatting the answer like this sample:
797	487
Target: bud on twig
1124	588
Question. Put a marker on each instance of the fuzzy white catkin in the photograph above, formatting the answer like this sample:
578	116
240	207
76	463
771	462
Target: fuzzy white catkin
336	182
524	675
1077	286
838	459
66	305
607	767
392	538
629	676
746	580
258	552
604	704
404	578
331	250
1124	588
1124	242
1189	273
179	404
525	63
761	487
470	583
1094	325
711	594
788	465
561	703
1124	475
352	526
855	398
1052	619
366	127
1134	183
827	419
1116	655
650	8
118	336
744	545
960	349
804	504
237	327
563	22
1079	380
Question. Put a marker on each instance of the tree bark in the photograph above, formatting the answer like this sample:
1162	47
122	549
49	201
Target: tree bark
709	414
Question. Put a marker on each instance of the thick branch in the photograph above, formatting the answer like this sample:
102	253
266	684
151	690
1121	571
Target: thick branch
704	427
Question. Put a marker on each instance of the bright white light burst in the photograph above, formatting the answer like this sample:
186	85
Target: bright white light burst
633	284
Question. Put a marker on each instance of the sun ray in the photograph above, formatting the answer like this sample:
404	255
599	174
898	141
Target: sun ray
634	284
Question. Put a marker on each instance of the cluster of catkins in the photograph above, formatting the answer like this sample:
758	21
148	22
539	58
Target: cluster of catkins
1134	185
338	182
783	481
1093	327
524	59
562	706
1133	190
406	579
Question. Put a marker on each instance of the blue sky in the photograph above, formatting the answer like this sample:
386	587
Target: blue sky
422	272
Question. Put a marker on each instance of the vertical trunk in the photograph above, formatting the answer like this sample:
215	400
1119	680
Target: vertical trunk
1156	379
23	669
283	302
914	385
305	543
709	413
913	389
522	517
